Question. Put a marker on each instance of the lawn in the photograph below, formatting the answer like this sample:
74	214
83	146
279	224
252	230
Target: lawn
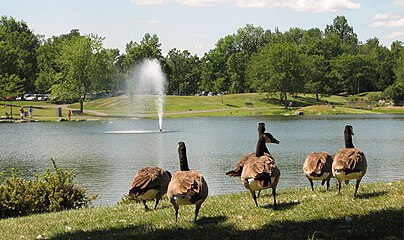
246	104
376	213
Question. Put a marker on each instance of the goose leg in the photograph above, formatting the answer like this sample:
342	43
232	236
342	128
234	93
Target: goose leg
145	206
357	186
254	197
198	206
274	194
328	183
157	202
259	192
311	184
339	187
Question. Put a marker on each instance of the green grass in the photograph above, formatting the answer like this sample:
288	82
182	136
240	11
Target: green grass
195	106
376	213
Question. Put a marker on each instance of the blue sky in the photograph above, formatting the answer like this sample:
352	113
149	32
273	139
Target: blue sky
197	25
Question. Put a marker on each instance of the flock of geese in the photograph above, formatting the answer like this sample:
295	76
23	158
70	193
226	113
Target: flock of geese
257	171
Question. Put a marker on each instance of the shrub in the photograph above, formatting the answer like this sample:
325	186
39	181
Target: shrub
53	191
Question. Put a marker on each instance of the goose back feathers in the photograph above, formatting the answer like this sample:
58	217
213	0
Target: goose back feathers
186	186
349	162
238	168
317	166
260	171
150	183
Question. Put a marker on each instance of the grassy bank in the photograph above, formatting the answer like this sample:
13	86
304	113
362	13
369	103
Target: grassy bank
194	106
377	213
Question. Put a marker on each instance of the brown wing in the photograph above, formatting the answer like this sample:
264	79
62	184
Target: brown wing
185	182
317	162
149	178
238	169
256	167
351	159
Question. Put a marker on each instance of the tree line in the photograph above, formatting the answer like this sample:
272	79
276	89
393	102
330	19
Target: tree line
251	60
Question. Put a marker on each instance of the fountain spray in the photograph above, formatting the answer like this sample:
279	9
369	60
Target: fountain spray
150	80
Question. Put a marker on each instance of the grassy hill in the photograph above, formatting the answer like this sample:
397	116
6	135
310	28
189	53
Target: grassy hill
195	106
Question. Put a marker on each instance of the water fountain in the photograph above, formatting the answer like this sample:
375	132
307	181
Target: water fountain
147	81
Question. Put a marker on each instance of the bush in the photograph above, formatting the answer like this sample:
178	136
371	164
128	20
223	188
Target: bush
53	191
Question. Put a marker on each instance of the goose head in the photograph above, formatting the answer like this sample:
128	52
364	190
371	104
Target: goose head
182	153
348	132
264	138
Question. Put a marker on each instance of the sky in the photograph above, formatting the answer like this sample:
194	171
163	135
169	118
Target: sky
197	25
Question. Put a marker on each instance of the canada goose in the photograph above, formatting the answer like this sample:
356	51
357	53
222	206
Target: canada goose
349	162
150	183
186	186
259	171
238	168
317	166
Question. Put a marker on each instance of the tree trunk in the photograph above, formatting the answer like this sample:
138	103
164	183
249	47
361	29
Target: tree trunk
82	105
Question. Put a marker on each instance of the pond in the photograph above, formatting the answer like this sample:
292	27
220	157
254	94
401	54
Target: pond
105	155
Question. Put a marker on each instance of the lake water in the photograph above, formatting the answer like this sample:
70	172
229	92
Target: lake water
105	155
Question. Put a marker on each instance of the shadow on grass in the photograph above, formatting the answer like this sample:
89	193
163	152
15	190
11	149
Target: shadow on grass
282	205
371	194
386	224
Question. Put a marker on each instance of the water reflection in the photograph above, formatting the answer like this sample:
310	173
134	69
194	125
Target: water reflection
105	155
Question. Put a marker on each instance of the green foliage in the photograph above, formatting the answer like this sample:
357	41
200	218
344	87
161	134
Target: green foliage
53	191
18	46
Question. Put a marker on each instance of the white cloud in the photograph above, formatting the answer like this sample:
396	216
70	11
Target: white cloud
388	20
148	2
399	3
394	35
302	5
297	5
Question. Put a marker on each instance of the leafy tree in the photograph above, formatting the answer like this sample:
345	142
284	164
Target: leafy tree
148	48
344	32
396	90
47	56
84	66
10	87
18	47
316	80
353	73
183	71
277	68
382	61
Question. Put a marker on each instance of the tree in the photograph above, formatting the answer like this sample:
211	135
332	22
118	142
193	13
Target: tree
10	87
316	81
381	59
148	48
352	73
395	92
84	67
183	71
47	55
344	32
277	68
18	47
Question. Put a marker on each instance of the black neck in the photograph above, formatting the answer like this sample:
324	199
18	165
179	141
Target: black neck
183	160
260	146
348	141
